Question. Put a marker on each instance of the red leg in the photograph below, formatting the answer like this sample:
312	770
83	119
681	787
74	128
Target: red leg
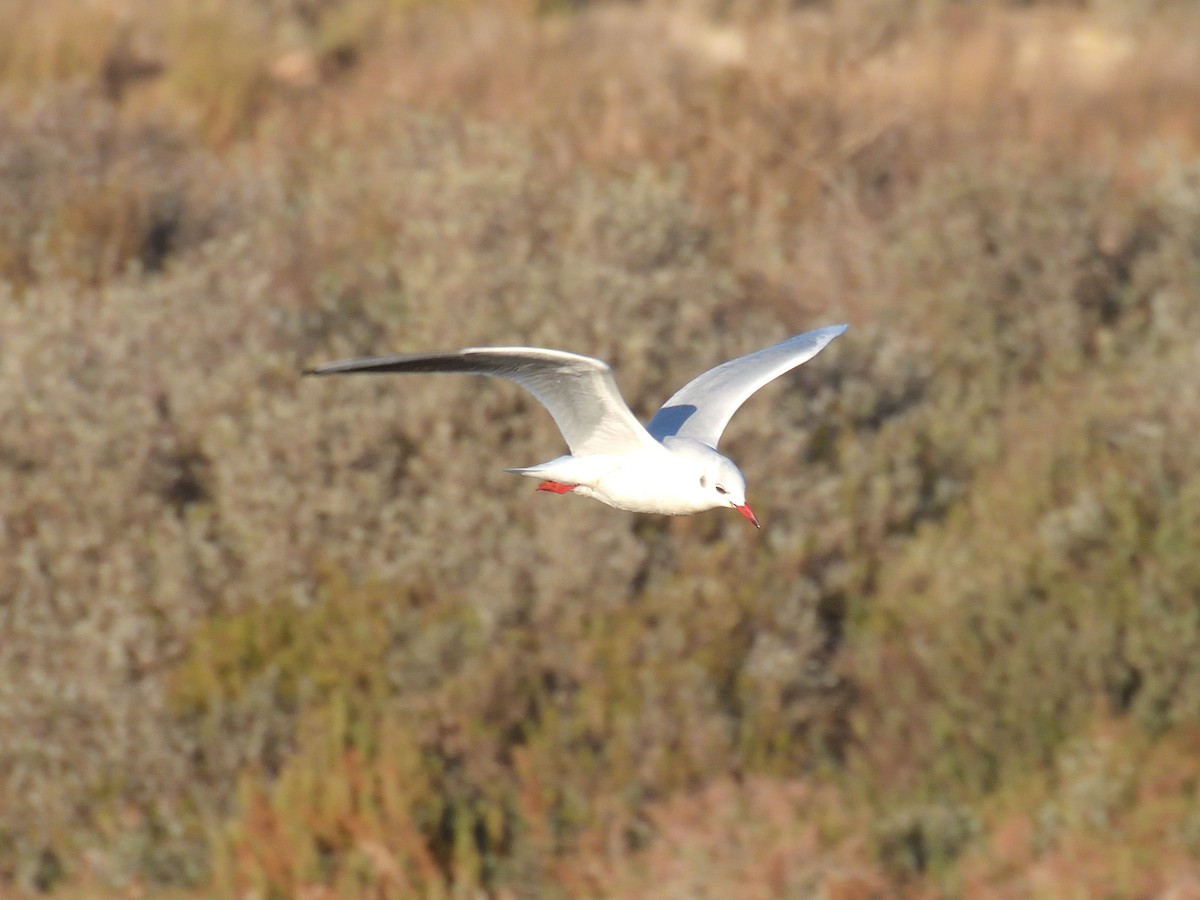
556	487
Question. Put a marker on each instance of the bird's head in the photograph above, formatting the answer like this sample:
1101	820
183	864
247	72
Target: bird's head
710	480
726	485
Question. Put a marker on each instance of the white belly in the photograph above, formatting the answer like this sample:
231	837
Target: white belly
649	481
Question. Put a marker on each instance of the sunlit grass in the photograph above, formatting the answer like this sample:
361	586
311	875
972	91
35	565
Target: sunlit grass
42	42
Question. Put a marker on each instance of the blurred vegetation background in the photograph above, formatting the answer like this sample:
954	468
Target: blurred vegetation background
263	638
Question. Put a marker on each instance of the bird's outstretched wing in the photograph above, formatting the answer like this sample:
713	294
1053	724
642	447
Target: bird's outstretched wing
578	391
703	407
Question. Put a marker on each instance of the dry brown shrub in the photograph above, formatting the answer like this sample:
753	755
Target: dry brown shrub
1115	809
779	113
86	194
757	838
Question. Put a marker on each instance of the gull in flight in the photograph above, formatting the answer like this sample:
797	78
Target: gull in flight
671	466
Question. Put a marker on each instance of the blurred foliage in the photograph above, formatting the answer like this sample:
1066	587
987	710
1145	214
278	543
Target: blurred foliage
278	638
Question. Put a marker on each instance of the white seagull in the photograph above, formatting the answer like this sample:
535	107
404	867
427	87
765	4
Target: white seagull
671	466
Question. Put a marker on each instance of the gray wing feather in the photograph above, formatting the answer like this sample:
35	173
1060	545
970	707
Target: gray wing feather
703	407
578	391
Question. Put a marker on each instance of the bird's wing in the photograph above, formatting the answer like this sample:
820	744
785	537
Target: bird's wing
578	391
703	407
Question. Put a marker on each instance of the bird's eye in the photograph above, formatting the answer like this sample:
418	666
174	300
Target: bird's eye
703	481
721	490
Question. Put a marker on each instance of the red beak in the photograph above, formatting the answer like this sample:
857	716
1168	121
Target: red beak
746	511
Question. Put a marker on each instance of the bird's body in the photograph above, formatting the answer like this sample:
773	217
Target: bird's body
669	467
665	480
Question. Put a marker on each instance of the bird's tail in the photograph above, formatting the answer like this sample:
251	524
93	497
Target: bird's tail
563	468
531	472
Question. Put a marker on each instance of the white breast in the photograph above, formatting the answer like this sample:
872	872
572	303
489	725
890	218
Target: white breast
662	483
